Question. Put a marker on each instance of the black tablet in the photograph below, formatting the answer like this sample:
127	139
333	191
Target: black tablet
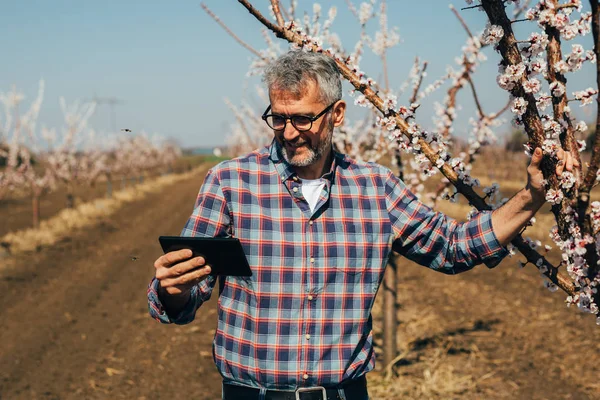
224	255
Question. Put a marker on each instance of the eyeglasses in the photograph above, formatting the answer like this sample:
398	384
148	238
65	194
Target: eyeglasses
301	122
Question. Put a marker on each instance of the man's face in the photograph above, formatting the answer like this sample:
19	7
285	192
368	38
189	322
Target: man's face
302	149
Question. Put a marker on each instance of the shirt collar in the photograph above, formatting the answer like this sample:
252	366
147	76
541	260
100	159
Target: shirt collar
285	170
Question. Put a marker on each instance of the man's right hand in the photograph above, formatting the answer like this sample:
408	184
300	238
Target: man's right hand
177	272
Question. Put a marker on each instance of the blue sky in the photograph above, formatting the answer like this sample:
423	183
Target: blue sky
170	65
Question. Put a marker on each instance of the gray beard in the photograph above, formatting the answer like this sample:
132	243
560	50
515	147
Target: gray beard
314	155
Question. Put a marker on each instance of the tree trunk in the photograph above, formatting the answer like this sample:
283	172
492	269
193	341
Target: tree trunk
108	187
70	196
35	203
390	319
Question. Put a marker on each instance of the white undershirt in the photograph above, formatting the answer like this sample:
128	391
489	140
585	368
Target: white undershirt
311	190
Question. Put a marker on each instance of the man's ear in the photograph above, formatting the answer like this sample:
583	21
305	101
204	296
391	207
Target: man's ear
339	111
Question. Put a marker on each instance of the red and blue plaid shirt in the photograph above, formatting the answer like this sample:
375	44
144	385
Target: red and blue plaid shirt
304	317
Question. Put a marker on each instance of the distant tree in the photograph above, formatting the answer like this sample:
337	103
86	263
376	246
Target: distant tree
516	140
3	155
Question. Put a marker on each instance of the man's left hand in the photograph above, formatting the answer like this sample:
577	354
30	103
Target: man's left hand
535	178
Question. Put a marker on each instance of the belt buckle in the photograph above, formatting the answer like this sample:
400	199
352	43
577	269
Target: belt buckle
311	389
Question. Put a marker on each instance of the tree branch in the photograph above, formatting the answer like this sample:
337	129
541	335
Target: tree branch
463	188
277	12
415	93
230	32
590	177
461	20
477	103
278	30
554	53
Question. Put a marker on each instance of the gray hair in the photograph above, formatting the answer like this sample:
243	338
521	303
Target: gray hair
292	70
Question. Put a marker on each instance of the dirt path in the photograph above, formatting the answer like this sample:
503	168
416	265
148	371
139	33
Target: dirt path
491	334
75	321
75	325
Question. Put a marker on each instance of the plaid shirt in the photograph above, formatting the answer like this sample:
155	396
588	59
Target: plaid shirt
304	317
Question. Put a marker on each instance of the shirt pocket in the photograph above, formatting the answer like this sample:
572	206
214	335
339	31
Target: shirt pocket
352	247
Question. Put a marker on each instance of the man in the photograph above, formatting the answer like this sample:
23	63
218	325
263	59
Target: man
317	229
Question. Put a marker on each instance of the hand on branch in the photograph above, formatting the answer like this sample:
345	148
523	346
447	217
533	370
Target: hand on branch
535	178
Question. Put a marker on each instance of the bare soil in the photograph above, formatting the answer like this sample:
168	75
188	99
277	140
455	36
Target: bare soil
75	320
75	325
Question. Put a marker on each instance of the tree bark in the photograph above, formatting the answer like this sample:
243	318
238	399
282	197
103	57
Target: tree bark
35	203
390	319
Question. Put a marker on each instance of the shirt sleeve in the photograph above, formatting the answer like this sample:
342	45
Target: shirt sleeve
210	218
435	240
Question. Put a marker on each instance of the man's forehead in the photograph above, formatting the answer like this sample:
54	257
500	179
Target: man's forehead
308	95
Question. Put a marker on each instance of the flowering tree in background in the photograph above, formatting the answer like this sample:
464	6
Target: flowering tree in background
22	171
67	158
532	71
37	164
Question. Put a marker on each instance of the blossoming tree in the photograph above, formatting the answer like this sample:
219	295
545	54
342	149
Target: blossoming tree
533	71
18	132
38	163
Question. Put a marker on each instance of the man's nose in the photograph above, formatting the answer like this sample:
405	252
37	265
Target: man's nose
290	133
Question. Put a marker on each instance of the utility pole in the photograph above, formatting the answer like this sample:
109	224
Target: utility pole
111	102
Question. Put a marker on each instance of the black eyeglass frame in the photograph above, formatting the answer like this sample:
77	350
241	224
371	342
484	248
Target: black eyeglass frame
265	116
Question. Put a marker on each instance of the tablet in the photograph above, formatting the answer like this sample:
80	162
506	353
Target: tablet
224	255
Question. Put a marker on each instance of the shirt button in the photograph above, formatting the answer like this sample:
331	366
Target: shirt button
305	376
295	190
312	260
307	336
310	297
310	222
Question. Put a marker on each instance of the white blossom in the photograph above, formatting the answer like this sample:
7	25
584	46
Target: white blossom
519	106
492	34
554	196
557	88
532	85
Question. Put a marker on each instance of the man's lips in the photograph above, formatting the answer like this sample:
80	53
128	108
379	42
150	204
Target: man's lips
295	145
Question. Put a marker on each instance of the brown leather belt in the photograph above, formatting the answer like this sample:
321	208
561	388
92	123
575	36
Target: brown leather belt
353	390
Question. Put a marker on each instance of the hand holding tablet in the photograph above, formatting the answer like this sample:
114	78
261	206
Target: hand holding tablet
225	256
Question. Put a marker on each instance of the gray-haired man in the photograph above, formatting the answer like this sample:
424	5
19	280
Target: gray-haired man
317	228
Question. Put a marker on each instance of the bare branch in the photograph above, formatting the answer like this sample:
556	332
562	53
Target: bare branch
293	9
471	7
277	12
477	103
461	20
285	14
384	53
413	98
502	111
230	32
278	30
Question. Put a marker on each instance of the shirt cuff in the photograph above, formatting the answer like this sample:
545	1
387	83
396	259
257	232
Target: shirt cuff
158	312
485	241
